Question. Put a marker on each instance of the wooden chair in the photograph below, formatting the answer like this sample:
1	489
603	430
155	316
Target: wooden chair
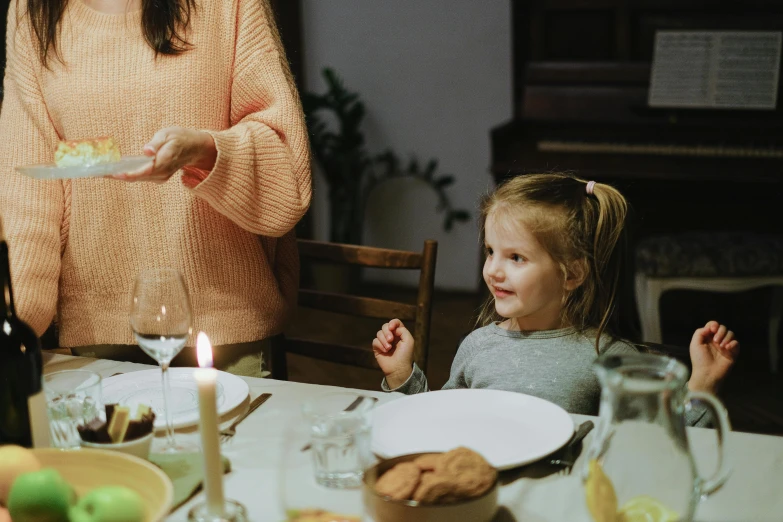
361	256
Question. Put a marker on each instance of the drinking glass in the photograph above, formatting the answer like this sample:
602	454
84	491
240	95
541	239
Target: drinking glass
160	317
340	438
322	457
73	398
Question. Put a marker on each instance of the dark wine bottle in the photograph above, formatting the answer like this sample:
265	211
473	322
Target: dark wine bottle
23	417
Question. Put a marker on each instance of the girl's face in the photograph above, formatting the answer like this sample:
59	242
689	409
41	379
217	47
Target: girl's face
527	283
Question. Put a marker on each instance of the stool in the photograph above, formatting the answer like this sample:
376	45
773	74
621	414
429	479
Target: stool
709	262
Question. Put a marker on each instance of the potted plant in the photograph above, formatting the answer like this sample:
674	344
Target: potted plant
351	171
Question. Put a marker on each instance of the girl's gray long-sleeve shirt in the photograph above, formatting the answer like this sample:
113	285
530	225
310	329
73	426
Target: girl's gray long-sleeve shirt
555	365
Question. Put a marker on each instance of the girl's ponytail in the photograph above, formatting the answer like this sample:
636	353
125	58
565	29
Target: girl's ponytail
608	252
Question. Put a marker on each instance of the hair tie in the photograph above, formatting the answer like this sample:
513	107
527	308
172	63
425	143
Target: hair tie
590	187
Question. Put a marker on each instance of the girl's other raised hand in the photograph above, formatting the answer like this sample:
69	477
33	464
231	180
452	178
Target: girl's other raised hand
393	348
713	352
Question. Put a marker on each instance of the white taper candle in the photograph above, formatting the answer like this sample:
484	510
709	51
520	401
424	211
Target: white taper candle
206	380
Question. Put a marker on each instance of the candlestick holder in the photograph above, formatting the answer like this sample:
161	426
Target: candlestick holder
233	511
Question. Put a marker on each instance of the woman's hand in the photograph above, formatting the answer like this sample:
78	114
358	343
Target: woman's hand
713	352
171	149
393	348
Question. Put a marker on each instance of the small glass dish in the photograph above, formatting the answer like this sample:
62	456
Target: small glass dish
52	171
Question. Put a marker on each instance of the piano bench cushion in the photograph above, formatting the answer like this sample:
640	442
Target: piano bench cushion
711	254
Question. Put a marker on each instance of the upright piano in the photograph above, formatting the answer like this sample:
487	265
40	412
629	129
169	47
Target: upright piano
581	71
581	78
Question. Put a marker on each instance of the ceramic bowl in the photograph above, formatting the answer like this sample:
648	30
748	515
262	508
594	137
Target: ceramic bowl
385	509
137	447
87	469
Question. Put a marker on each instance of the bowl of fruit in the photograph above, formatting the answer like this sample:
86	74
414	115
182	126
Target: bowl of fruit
88	485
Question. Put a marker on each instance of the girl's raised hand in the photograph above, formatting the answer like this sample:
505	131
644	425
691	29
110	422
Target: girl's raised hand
713	352
393	348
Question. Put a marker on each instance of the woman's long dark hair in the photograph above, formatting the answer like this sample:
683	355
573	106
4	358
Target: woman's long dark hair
163	23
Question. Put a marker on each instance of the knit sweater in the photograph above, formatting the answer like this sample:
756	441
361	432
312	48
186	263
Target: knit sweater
77	245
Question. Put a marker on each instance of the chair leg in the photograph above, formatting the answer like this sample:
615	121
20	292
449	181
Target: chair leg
278	360
648	298
775	313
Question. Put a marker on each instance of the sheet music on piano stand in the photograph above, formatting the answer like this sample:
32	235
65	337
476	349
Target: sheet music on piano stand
716	69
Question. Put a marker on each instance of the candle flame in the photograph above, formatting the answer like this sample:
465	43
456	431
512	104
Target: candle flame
204	350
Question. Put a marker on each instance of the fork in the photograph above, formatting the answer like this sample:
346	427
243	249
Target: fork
226	434
567	457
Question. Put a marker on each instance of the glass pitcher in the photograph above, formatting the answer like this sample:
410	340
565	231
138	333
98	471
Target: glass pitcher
639	466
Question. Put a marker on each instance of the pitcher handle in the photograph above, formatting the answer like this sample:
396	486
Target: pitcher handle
712	484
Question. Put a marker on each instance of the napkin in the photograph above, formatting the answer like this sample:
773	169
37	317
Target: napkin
186	473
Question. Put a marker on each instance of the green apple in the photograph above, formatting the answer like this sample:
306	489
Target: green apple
108	504
40	496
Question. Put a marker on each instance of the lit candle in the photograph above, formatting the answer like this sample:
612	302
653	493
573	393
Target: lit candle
206	378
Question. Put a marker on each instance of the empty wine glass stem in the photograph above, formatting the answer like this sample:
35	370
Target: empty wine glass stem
170	442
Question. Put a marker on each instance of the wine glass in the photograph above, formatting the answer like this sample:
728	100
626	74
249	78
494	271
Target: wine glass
160	317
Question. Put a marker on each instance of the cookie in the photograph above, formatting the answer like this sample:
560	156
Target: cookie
399	482
428	462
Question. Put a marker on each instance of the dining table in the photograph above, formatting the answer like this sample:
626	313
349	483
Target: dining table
753	492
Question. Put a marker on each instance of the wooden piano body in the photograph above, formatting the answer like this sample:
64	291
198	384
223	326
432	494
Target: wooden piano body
581	78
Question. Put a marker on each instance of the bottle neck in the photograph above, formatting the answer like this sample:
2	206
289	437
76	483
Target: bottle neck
6	294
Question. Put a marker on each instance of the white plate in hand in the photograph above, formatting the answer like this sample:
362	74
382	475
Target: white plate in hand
52	171
145	387
509	429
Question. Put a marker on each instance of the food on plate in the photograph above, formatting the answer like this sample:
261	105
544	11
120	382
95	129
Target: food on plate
108	504
459	474
602	501
84	153
14	460
121	426
318	515
40	496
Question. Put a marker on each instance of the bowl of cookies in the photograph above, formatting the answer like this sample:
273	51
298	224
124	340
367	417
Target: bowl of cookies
432	487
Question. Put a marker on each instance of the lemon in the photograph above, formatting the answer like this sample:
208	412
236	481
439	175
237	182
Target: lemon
646	509
600	495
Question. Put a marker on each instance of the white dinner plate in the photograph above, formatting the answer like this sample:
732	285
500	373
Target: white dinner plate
509	429
145	387
52	171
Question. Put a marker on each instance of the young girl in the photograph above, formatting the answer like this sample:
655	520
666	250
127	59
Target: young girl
552	266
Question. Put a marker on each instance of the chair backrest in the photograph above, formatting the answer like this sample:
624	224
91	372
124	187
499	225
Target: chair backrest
361	256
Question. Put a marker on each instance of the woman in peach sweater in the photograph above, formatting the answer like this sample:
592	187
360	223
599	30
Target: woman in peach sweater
204	90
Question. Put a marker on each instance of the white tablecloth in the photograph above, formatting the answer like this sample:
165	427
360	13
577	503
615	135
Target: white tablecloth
753	493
